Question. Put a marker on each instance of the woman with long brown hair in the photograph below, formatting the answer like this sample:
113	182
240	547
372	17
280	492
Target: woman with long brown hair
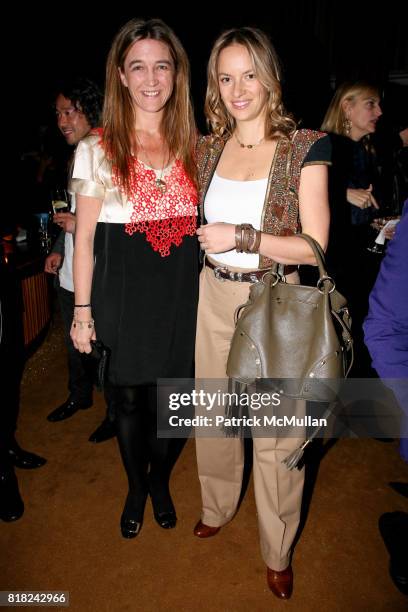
261	182
135	264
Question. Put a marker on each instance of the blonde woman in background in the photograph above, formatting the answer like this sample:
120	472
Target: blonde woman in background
351	118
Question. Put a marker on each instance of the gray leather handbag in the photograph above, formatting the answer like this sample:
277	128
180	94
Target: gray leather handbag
296	336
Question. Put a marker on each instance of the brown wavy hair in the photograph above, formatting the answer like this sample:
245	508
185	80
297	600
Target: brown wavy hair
335	120
268	71
178	125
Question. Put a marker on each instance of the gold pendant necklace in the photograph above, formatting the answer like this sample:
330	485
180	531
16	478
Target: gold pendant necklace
248	146
160	184
159	181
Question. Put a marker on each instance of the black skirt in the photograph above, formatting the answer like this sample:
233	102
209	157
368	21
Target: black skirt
144	305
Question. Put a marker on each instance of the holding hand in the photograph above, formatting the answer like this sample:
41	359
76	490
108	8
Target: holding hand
363	198
53	263
216	237
389	232
66	221
83	330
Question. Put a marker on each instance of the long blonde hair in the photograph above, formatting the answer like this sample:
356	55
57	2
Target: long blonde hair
266	65
335	119
178	125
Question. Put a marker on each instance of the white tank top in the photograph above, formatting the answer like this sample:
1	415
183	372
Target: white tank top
235	202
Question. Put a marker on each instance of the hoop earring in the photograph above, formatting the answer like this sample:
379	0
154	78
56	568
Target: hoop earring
347	125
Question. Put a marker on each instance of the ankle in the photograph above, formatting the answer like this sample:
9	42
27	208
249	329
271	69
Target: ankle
161	499
134	505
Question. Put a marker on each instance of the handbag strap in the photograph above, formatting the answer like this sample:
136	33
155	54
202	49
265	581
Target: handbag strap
318	253
342	317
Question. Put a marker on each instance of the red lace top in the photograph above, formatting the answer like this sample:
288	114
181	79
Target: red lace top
164	217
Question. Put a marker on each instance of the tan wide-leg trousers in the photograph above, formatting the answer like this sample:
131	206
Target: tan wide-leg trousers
278	491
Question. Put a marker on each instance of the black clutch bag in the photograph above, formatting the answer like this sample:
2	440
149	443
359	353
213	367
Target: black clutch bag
99	359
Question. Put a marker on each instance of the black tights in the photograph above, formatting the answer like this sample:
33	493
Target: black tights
145	457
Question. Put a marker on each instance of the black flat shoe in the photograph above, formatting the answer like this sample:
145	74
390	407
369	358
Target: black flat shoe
163	507
131	520
129	527
67	410
400	487
166	520
25	460
11	504
394	530
105	431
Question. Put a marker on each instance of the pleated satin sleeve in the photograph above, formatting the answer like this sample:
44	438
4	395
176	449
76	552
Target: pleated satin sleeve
92	176
87	175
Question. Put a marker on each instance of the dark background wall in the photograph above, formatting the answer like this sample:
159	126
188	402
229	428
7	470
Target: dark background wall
317	41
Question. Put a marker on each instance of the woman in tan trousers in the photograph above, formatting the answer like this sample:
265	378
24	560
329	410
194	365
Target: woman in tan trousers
261	182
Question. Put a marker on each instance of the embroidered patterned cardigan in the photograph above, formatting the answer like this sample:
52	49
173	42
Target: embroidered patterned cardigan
280	215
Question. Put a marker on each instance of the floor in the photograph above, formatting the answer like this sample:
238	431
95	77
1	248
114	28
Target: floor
69	539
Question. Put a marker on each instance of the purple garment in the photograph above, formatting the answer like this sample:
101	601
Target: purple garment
386	325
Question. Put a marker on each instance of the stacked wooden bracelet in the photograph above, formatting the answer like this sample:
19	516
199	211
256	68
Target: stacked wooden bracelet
247	238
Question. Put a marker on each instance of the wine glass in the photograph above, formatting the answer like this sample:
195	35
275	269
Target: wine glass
60	200
378	246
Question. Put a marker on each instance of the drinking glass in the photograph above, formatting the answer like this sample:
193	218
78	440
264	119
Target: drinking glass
381	239
60	200
377	246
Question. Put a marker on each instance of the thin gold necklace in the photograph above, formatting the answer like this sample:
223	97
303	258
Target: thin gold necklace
248	146
159	182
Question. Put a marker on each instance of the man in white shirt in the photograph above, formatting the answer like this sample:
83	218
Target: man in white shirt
78	107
